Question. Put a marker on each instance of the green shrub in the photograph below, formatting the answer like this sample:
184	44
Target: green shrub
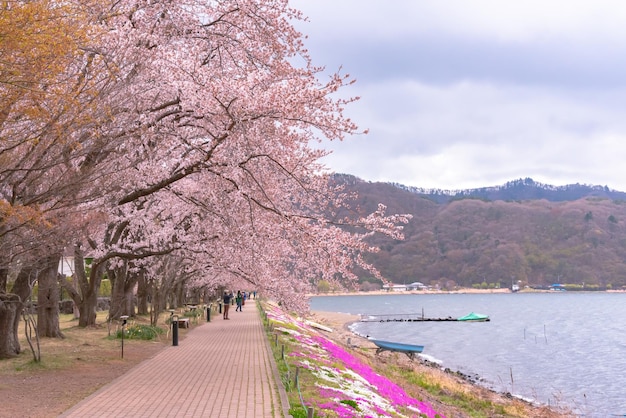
350	402
140	332
298	412
105	288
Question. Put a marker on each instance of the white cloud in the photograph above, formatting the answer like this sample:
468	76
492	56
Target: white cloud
461	93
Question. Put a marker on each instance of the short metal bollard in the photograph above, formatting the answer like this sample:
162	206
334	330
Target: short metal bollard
220	305
124	319
208	313
174	330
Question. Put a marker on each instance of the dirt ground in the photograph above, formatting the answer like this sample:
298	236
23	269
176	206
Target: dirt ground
48	393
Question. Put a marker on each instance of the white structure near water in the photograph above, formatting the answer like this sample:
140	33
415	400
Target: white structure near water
405	287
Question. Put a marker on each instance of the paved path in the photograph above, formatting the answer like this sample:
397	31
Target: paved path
222	368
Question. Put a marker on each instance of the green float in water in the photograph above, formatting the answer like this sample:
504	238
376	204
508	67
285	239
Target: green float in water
475	317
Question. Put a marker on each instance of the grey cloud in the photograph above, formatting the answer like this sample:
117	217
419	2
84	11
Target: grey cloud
443	61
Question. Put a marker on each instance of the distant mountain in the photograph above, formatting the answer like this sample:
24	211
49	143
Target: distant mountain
521	189
492	236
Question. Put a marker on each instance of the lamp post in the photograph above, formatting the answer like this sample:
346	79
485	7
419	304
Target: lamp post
124	318
174	325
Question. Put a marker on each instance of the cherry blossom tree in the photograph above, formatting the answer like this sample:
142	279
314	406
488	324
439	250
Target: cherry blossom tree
222	120
198	149
44	101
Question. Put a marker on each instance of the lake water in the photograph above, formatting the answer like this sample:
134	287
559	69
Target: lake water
558	348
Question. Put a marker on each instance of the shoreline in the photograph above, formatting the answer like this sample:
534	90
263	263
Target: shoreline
411	292
344	336
455	292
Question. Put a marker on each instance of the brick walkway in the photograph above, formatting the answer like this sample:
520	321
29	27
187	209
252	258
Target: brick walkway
222	368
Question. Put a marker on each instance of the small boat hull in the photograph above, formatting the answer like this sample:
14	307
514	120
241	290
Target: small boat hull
409	349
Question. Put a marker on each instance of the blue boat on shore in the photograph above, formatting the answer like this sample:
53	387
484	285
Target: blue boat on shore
409	349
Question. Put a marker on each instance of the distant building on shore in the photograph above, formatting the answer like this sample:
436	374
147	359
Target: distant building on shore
405	287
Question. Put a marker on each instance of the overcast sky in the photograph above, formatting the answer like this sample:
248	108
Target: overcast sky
460	94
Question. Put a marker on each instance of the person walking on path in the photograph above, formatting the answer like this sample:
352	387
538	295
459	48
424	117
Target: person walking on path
227	298
239	301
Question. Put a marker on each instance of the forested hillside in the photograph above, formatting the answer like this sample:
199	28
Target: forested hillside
521	189
470	241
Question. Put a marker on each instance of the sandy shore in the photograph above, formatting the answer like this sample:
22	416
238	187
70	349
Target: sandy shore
450	381
447	292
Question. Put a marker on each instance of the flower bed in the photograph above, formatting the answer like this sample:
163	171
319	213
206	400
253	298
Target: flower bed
334	382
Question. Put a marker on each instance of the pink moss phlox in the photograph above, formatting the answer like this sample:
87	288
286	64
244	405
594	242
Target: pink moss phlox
297	354
386	388
306	339
379	410
331	393
315	357
303	365
343	411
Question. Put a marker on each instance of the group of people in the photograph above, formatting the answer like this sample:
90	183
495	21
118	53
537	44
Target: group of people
240	300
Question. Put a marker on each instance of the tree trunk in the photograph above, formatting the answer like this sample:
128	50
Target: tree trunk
122	300
142	294
10	309
87	311
181	293
116	277
4	261
129	296
11	306
177	298
154	313
4	277
158	303
87	301
48	299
